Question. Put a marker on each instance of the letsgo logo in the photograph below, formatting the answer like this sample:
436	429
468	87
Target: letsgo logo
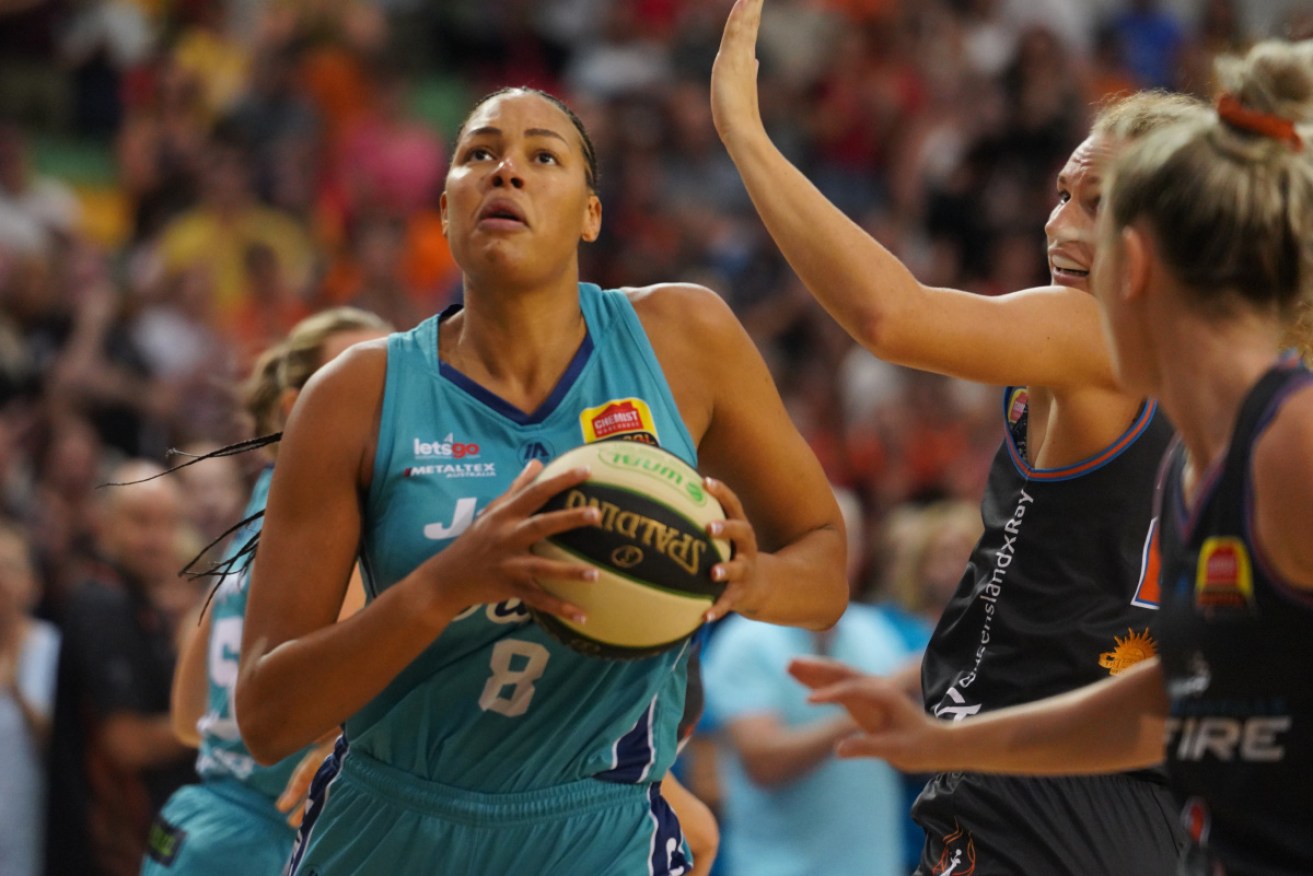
447	448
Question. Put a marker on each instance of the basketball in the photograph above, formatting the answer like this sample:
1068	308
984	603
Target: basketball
650	548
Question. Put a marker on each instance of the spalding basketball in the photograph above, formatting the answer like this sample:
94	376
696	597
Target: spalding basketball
650	548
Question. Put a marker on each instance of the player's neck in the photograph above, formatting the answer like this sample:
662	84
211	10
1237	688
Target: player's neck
1208	368
517	349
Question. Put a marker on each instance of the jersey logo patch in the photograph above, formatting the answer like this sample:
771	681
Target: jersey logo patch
1224	578
531	450
1017	404
1128	651
959	855
628	418
164	842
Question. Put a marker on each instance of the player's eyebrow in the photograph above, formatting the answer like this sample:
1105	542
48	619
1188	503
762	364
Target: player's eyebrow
489	130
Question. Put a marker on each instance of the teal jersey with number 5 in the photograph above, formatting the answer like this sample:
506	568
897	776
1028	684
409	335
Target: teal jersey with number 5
223	755
495	704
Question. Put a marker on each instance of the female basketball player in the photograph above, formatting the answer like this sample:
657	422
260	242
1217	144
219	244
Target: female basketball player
473	741
1051	598
235	813
1206	249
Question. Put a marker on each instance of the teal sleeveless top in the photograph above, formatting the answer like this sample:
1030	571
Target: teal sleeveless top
495	704
222	754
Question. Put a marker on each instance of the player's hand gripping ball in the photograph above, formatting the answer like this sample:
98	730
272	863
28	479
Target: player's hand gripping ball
650	549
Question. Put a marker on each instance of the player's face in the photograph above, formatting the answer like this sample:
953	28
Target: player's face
517	201
1071	226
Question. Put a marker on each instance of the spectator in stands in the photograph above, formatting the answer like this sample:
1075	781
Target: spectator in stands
114	759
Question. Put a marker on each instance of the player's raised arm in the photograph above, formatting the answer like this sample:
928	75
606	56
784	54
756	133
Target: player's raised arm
867	289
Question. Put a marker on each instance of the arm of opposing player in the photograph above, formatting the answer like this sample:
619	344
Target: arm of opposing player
1045	337
788	532
1283	490
1109	726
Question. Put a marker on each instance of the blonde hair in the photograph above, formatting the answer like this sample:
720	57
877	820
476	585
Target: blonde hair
1229	203
290	363
1131	117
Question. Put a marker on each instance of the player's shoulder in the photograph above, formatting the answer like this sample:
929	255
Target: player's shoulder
1281	450
359	367
693	310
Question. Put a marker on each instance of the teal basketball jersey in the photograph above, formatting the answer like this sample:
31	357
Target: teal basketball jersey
495	703
222	754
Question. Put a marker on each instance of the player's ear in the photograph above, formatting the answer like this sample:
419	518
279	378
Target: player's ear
442	211
1139	263
592	226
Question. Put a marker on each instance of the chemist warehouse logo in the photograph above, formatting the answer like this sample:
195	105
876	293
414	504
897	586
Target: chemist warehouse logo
627	418
448	458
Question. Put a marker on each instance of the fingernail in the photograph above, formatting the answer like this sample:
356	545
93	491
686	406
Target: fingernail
583	470
590	574
710	481
717	573
709	617
580	618
593	515
716	528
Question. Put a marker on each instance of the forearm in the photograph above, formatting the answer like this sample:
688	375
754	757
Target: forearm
135	741
187	700
294	693
857	280
1072	733
779	754
804	587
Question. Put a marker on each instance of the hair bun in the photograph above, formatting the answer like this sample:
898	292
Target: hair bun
1274	78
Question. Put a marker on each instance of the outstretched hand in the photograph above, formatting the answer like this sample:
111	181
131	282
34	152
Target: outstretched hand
734	104
893	727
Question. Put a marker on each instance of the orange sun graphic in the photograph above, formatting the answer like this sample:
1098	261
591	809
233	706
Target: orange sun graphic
1128	651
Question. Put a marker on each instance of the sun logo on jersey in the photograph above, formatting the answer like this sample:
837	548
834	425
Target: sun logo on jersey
1128	651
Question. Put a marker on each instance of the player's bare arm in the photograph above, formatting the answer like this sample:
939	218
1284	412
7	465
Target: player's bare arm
783	519
1044	337
302	673
1068	734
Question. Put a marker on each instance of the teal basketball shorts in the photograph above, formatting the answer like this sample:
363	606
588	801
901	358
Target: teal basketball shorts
367	817
210	828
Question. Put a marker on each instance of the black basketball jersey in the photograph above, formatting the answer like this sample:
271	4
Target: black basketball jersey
1237	653
1058	591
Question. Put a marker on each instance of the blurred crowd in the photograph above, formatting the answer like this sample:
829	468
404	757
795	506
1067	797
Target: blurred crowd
182	180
